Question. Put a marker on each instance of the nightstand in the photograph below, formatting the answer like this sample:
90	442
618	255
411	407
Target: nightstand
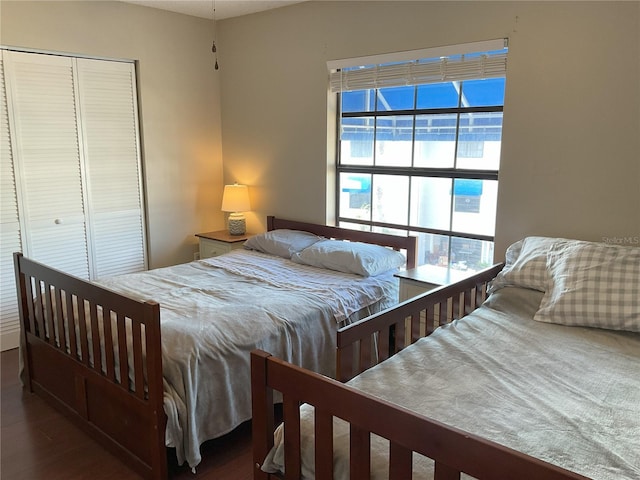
424	278
216	243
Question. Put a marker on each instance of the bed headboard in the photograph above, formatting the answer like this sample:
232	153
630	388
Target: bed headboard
408	243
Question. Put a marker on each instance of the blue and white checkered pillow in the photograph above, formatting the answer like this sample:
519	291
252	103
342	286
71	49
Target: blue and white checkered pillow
593	285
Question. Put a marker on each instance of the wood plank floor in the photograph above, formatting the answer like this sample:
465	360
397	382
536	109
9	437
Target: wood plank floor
37	442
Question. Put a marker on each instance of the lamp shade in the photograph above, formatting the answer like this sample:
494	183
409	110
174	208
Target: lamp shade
235	198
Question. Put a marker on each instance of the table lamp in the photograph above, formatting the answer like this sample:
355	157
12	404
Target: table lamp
235	199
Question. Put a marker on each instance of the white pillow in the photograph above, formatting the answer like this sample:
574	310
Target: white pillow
281	242
359	258
593	285
526	264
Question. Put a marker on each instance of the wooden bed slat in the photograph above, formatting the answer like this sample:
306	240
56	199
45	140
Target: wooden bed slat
444	472
95	338
400	460
481	293
365	360
291	417
429	320
123	359
398	331
384	345
415	326
84	337
108	345
324	444
31	325
138	373
455	307
360	453
57	300
467	301
70	317
40	319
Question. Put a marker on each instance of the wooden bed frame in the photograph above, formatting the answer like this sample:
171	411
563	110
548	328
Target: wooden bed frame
123	337
453	451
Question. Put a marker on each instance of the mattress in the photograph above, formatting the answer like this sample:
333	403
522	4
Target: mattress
566	395
215	311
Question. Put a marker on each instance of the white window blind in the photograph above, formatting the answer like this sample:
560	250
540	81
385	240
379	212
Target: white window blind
443	64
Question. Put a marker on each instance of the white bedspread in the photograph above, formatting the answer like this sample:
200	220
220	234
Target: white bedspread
215	311
567	395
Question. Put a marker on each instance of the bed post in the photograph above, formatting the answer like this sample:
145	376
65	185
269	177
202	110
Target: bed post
412	251
262	423
270	219
22	315
158	454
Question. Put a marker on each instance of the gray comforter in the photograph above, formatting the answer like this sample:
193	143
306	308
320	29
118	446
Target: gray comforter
567	395
214	312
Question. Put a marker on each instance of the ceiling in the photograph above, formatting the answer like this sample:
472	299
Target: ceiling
223	8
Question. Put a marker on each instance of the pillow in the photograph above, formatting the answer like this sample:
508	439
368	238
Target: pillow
281	242
593	285
359	258
526	264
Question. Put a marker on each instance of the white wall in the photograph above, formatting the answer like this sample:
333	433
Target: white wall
179	103
571	144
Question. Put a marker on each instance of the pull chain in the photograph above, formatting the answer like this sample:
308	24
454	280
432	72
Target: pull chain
214	49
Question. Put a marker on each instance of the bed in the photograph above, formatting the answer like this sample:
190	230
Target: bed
162	357
540	381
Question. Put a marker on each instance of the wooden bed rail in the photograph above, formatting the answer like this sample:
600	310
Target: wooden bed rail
372	340
95	355
453	451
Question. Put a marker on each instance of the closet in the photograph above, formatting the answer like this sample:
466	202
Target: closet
71	188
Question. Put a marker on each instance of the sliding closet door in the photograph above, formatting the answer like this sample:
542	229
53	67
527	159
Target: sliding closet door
9	227
110	133
42	97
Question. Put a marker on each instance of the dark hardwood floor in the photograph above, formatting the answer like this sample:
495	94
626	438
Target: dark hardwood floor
37	442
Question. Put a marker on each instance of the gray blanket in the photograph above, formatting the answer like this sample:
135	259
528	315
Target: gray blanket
567	395
212	316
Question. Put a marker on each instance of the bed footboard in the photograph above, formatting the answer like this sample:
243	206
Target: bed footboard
453	451
374	339
96	356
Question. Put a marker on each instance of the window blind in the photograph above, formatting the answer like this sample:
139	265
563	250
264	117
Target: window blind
443	64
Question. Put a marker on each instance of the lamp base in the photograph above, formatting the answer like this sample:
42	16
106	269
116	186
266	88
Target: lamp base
237	224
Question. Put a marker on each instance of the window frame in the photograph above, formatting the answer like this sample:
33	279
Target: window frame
453	172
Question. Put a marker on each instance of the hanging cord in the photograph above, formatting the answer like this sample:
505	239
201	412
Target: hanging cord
214	49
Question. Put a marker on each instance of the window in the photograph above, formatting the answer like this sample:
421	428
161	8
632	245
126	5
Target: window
419	148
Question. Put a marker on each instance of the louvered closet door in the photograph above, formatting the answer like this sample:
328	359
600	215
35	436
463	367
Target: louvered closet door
42	95
9	228
110	132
